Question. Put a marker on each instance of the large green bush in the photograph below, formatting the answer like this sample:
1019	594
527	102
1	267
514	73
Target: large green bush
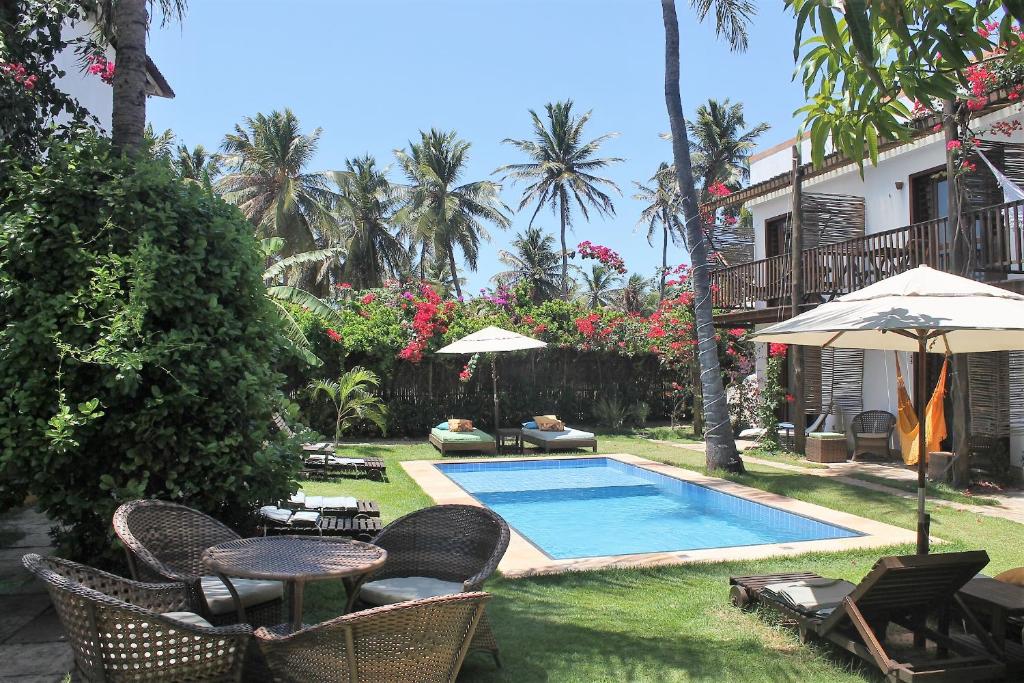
136	346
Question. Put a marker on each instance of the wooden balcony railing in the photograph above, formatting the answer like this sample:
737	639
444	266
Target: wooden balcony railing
992	240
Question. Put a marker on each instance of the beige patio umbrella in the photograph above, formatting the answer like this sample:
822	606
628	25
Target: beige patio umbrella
922	311
493	340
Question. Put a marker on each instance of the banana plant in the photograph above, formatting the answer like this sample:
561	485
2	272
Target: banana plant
285	296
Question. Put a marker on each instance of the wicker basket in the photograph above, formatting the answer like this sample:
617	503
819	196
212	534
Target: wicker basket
826	447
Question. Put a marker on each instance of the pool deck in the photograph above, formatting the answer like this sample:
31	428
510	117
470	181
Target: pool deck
525	559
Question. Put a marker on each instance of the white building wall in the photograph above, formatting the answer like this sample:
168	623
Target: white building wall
90	91
886	207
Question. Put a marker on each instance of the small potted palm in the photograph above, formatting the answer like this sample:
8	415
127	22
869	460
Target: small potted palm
353	399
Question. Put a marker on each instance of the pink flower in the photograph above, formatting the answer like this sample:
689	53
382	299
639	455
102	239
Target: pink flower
344	285
953	144
368	299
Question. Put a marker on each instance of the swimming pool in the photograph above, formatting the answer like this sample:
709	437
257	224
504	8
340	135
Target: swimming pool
592	507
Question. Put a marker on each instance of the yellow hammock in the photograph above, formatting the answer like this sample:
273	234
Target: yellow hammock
935	416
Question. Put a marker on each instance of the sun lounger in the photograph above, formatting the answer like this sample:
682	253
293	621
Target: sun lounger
563	440
277	520
333	506
322	465
448	441
899	590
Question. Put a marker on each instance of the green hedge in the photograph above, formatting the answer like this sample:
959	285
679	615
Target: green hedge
136	346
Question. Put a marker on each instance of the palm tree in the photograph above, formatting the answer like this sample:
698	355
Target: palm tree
353	399
128	21
662	209
719	148
599	285
267	155
438	273
561	171
634	297
533	261
441	214
732	17
367	202
197	165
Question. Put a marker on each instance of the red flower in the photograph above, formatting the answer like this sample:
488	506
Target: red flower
344	285
777	350
953	144
737	332
335	337
718	189
368	299
790	398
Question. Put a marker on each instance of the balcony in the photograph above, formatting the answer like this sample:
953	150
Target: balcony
994	245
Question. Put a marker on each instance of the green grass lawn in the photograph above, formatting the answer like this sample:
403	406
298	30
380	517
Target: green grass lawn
672	623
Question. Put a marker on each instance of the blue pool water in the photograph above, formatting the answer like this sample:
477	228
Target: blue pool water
589	507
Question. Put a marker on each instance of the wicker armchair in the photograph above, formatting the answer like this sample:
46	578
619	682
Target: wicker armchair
436	550
165	542
872	433
423	641
119	629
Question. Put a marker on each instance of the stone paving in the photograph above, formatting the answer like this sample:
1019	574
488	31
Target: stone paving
32	645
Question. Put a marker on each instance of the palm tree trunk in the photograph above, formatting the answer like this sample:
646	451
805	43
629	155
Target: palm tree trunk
455	272
129	114
664	256
565	256
718	437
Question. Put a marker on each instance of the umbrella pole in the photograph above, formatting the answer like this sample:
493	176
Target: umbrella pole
923	521
494	381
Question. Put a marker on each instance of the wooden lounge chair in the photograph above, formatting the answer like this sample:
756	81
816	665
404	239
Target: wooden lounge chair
323	465
332	506
121	630
477	440
901	590
423	641
275	520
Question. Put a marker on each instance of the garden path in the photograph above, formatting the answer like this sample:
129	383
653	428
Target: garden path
32	644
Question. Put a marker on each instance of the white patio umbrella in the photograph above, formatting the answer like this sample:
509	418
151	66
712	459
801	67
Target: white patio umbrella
493	340
923	311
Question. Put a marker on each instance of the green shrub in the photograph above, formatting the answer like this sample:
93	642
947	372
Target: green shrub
136	347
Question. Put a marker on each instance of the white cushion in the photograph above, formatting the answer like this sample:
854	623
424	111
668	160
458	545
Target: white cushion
568	434
298	498
346	461
305	517
873	435
276	514
316	459
189	618
338	502
250	592
388	591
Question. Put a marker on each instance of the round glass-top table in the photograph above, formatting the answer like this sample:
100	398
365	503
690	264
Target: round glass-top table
295	560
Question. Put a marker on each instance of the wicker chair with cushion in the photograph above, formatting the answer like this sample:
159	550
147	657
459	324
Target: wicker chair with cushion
872	433
165	541
123	630
423	641
437	551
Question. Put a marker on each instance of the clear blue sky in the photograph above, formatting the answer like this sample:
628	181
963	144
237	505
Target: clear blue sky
373	73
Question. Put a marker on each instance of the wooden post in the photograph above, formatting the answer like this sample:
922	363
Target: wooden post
796	355
961	393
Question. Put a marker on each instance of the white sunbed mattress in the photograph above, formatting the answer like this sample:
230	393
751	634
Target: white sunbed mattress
569	434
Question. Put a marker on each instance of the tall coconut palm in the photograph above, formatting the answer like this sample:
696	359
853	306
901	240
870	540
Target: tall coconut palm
126	21
720	148
599	286
635	296
366	204
441	214
267	157
533	260
561	171
662	198
438	273
732	18
197	165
